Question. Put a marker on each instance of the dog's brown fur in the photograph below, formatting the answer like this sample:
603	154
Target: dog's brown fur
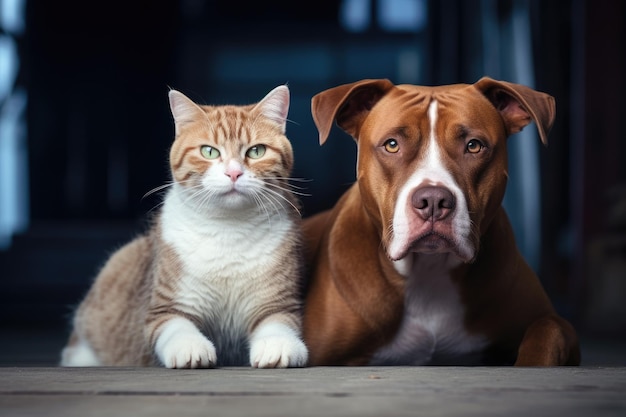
356	297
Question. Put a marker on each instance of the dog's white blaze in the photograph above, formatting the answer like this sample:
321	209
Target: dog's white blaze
433	316
431	171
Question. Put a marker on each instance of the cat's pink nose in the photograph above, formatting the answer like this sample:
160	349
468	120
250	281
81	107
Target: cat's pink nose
234	171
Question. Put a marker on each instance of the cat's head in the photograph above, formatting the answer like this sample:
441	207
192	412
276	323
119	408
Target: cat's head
232	156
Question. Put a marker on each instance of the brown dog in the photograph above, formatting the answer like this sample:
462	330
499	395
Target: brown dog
417	262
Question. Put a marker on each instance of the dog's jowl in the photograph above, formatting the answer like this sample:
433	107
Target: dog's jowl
416	263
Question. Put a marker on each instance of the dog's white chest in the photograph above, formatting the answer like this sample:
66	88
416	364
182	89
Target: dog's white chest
432	328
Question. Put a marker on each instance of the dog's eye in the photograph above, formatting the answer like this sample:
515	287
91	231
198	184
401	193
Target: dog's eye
391	145
474	146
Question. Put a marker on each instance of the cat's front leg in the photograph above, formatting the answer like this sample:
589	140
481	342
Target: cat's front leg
276	345
181	345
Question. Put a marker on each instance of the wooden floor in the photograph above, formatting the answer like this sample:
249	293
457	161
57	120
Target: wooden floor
320	391
31	385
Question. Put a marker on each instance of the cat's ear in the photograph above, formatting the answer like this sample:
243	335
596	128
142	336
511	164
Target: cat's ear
183	109
275	106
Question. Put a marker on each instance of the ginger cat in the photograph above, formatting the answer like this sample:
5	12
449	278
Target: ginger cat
215	281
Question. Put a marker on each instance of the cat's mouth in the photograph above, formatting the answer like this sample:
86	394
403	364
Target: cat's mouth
235	188
235	191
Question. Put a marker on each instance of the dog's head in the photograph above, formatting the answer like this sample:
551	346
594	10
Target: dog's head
432	161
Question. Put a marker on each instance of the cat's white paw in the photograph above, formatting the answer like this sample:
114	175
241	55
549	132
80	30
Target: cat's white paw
79	354
277	346
189	351
181	345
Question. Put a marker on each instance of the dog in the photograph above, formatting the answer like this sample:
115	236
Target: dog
416	264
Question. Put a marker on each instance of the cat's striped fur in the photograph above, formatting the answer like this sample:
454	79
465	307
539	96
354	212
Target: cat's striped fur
216	279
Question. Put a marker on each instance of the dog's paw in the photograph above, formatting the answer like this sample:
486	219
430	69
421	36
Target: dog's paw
180	346
277	346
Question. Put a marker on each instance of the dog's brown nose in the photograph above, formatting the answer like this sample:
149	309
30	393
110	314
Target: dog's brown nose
433	203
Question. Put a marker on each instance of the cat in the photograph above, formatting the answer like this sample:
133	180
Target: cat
215	280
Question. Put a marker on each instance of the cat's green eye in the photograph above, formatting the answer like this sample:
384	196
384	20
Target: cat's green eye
256	152
209	152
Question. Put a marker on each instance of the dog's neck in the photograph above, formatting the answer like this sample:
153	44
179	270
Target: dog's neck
431	326
416	264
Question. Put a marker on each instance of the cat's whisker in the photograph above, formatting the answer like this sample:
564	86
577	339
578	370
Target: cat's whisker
259	192
292	121
199	191
297	187
279	195
164	186
259	202
207	198
275	203
287	182
288	179
287	188
161	188
156	207
194	192
157	189
205	202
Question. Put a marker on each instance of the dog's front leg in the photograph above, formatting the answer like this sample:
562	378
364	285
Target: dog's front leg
549	341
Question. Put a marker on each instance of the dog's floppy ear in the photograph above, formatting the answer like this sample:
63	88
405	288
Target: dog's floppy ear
519	104
347	104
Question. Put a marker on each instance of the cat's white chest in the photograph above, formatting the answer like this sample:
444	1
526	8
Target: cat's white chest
231	246
220	259
432	324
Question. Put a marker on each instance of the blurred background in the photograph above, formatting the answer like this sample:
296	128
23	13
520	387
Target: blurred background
85	129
